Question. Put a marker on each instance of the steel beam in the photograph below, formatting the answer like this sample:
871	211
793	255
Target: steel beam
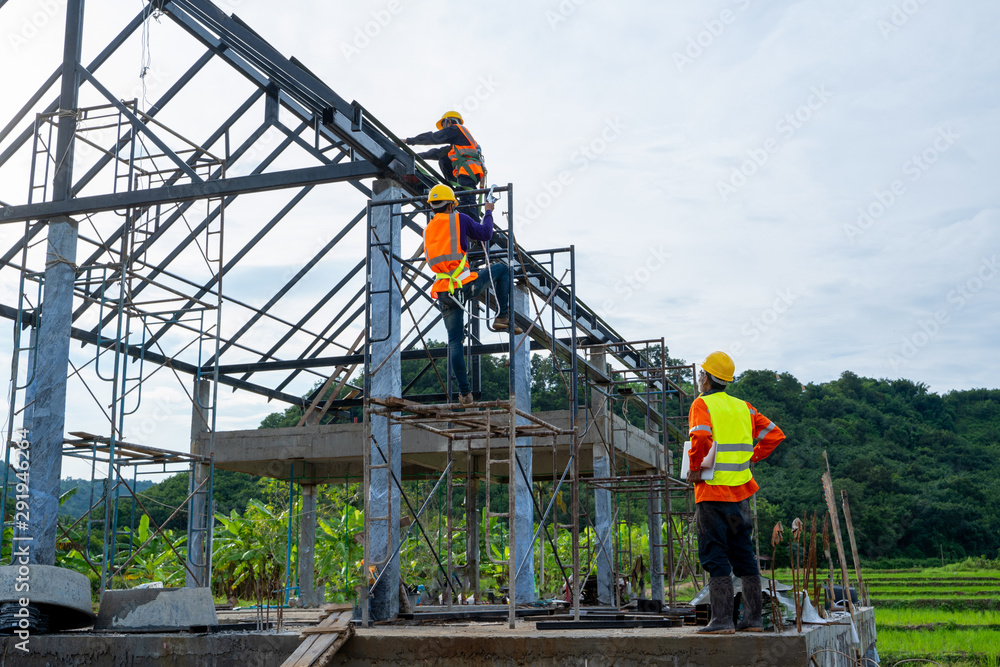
172	194
149	356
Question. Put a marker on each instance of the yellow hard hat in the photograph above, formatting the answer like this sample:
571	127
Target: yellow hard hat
450	114
440	194
720	365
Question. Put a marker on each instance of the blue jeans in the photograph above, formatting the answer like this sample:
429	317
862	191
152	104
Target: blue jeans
724	538
454	317
467	202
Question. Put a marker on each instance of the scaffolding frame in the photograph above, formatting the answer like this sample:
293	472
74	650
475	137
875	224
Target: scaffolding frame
668	497
343	143
111	281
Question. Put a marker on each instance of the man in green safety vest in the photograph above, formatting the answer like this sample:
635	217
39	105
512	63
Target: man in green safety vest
741	436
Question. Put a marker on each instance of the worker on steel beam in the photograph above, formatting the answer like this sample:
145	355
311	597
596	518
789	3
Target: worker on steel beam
461	161
741	435
446	244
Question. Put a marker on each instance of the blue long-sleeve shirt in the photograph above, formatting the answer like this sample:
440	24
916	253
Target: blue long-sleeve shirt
475	231
449	135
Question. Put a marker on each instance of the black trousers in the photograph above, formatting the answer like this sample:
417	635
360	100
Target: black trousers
725	543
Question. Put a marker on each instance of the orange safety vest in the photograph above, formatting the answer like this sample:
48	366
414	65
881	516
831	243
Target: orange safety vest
443	252
467	159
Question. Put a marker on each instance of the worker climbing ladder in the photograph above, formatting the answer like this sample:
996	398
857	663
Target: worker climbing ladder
498	431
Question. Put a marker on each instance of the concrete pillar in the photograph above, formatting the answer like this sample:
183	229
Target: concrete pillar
383	496
603	514
524	510
308	593
656	538
472	529
52	358
199	514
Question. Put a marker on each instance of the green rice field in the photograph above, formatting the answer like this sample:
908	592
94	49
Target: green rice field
950	615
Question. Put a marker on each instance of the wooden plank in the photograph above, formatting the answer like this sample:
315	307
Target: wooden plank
322	643
835	524
335	608
306	647
333	629
854	550
295	658
327	657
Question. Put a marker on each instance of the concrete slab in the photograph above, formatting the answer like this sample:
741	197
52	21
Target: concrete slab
332	453
156	609
469	644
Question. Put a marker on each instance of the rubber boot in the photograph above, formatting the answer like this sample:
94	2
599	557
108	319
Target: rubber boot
752	605
721	591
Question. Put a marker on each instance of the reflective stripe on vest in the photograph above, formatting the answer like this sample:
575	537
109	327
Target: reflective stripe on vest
732	430
466	159
443	252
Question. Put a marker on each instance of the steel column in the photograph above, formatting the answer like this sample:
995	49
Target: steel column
524	509
199	514
603	513
383	497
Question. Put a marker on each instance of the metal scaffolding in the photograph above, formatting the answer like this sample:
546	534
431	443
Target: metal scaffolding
127	304
142	204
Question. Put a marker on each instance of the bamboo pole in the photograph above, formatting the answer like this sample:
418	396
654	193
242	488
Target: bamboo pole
835	523
854	549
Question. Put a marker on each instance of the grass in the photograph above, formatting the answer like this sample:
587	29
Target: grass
950	615
925	592
951	643
908	616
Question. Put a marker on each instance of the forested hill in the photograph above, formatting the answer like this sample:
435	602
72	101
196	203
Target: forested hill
922	471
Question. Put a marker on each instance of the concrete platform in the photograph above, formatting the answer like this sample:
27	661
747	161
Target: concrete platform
332	453
455	644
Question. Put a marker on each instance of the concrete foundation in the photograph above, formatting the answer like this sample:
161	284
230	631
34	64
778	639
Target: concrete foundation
154	650
156	608
475	644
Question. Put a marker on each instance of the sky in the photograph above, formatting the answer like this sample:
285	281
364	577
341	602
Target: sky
810	186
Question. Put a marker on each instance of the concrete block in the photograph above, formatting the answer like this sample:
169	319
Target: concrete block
156	609
63	595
